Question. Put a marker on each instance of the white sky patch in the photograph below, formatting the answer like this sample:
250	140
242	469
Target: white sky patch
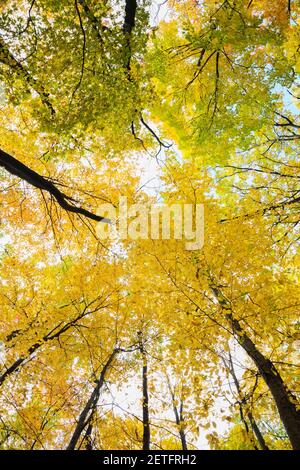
149	173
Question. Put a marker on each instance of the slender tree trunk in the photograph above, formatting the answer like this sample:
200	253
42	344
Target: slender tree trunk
285	401
88	437
178	417
88	411
257	432
242	400
181	428
145	402
146	433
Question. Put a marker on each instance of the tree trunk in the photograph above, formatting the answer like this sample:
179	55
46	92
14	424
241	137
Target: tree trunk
128	25
178	417
181	429
129	20
242	401
285	401
145	402
257	432
88	411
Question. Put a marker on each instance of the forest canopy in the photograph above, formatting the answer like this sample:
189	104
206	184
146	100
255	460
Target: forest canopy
132	344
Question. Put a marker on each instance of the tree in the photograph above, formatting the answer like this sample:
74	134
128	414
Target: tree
129	344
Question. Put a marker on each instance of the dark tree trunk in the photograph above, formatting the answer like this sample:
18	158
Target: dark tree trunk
129	20
146	433
285	401
181	429
145	402
257	432
88	437
178	417
242	401
88	411
128	25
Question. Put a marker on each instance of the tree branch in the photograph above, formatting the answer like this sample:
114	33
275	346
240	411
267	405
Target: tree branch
7	58
15	167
